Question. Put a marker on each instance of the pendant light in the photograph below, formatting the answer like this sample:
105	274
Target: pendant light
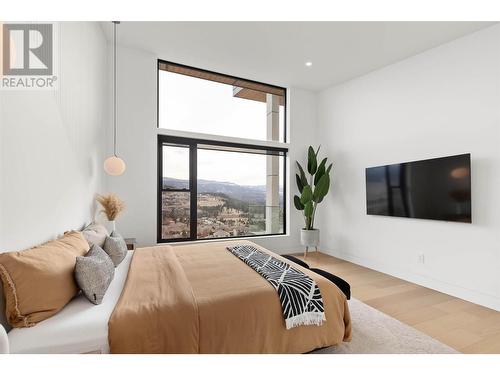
114	165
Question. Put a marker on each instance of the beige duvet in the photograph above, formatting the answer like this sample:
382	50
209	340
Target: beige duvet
203	299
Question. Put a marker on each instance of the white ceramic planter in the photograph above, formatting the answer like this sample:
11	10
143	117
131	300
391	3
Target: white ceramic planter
309	238
111	226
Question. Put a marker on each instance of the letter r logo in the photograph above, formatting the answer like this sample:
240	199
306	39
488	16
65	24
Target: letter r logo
27	49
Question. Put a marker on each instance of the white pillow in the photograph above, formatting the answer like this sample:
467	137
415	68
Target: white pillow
95	234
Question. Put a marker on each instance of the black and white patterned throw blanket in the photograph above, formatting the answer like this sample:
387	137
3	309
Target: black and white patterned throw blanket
299	295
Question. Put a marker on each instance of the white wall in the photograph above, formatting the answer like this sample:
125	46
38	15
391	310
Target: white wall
137	144
301	134
442	102
52	144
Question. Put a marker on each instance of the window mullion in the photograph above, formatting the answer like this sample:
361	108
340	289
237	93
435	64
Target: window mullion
159	216
193	187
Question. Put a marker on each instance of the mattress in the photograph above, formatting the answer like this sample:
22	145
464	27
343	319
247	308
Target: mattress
80	327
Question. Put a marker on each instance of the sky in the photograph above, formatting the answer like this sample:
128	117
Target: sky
238	168
198	105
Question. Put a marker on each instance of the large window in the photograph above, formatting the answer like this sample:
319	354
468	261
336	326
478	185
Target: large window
204	102
211	189
215	188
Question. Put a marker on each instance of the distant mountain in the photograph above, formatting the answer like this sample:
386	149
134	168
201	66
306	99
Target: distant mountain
247	193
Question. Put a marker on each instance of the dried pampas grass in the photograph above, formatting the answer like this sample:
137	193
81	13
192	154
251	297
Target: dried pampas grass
111	204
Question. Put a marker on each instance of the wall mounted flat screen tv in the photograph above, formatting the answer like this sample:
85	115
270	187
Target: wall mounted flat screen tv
436	189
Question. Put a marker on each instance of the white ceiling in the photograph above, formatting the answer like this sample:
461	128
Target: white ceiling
276	52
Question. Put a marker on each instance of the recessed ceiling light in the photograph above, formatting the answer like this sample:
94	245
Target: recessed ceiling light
308	63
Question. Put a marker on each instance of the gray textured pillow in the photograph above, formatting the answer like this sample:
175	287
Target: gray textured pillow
93	273
115	247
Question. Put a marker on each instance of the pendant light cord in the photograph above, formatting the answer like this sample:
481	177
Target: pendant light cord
114	84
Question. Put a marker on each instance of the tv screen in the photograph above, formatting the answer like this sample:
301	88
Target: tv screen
437	189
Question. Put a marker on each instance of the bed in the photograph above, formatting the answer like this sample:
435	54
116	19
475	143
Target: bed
80	327
185	299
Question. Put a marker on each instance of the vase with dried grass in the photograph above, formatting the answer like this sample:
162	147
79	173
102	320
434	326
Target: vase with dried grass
112	207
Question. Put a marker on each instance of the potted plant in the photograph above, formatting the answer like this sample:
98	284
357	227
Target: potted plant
313	189
112	207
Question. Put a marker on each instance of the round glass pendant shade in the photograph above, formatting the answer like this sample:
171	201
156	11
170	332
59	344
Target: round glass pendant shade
114	166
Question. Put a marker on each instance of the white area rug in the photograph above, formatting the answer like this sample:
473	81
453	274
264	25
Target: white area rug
377	333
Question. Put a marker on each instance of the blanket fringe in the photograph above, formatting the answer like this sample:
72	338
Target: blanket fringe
307	318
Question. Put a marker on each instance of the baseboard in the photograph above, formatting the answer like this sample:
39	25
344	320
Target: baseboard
474	296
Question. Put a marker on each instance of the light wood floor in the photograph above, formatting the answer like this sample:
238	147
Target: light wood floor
466	327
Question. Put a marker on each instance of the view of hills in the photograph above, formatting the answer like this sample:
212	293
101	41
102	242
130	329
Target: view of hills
255	195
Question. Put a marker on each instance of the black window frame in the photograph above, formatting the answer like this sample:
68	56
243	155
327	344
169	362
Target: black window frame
193	143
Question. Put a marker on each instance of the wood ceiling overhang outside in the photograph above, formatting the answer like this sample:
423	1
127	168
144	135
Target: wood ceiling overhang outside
242	88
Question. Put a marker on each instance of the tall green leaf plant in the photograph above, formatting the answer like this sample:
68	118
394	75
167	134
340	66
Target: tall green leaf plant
312	188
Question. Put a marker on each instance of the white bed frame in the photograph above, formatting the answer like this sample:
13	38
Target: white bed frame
4	341
4	327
